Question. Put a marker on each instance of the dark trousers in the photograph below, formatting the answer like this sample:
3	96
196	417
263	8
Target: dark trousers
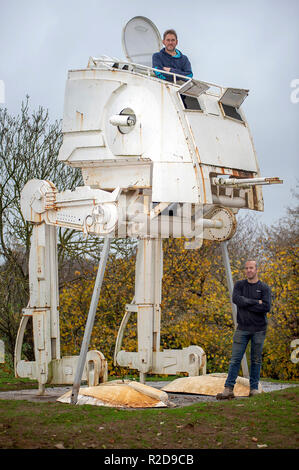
240	342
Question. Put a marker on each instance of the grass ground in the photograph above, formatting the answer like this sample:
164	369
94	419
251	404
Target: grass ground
269	420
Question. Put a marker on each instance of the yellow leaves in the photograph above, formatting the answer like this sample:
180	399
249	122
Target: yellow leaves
195	306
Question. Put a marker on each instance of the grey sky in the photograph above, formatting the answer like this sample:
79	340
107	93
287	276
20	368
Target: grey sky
239	43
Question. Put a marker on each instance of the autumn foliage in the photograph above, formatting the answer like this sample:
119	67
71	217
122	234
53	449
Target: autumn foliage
196	308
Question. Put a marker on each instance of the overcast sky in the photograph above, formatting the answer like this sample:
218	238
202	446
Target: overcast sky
251	44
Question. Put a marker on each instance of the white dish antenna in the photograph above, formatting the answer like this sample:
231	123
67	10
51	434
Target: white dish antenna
141	39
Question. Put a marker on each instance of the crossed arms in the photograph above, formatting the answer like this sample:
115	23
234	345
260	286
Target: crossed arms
185	70
262	305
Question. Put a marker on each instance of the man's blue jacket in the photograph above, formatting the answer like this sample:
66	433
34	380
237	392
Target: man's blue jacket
178	63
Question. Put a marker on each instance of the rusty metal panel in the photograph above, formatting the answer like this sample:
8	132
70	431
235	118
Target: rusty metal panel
173	181
193	88
128	175
92	142
85	98
89	136
234	97
222	142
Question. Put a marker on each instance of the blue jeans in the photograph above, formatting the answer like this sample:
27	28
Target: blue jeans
240	342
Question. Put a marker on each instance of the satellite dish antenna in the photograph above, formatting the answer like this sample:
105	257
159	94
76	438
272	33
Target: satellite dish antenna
141	39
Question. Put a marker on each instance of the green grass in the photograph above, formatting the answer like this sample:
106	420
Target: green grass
270	419
8	381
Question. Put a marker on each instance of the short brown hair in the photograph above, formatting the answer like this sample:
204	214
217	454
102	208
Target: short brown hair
250	260
170	31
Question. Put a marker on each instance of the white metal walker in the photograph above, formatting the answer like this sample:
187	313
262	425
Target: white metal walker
158	159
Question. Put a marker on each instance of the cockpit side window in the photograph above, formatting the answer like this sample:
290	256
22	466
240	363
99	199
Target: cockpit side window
190	102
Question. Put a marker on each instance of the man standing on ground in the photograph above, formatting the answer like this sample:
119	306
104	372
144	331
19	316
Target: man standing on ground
253	300
171	59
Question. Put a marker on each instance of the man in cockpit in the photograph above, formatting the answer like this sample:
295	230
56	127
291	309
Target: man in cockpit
170	59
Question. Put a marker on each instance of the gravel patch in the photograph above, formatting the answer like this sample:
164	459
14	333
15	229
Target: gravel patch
271	387
177	399
184	399
51	394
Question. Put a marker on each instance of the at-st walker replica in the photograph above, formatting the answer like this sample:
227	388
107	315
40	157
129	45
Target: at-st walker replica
158	159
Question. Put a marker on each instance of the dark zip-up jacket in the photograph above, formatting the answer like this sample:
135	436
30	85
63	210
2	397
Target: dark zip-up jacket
178	63
251	315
